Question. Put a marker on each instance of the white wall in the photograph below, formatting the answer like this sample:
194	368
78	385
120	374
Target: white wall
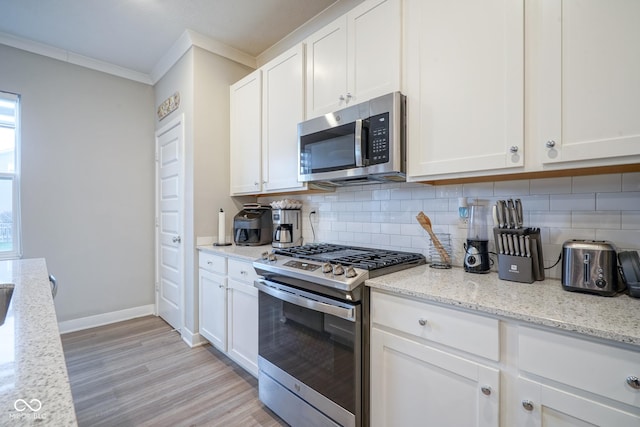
87	181
203	80
602	207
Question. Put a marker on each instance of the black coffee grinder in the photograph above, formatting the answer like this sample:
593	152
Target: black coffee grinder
476	256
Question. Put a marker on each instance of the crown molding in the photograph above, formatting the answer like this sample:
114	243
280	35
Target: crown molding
191	38
73	58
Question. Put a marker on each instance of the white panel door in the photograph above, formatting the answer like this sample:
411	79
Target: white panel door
169	227
416	385
282	110
589	84
464	86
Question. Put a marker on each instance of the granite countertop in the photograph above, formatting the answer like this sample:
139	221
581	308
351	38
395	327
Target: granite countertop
245	253
34	385
542	303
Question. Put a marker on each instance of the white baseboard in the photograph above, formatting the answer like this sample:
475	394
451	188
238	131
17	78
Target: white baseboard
105	318
192	340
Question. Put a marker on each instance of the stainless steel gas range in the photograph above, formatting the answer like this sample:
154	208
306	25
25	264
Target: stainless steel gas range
313	330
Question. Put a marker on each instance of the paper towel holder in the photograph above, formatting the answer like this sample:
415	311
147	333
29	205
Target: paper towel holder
222	230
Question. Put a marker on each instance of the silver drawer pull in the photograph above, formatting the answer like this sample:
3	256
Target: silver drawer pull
486	390
422	322
209	262
528	405
633	381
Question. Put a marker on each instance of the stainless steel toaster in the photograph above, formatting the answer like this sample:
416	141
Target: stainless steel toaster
590	266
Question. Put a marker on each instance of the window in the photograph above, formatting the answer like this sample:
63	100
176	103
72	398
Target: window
9	176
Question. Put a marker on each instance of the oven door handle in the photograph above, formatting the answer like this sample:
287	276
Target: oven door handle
333	310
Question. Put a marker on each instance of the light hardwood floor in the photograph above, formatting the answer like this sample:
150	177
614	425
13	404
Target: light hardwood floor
141	373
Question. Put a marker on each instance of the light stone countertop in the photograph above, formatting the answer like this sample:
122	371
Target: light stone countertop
32	365
542	303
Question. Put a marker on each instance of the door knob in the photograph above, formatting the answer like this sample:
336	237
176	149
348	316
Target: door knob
176	239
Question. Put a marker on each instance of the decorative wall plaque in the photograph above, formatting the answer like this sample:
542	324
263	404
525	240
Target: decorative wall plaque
169	105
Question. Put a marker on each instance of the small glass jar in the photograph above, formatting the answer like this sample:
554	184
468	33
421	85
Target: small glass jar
436	258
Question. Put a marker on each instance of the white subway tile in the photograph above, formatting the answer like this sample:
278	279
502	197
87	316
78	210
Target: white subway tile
550	186
371	206
628	201
355	227
560	235
419	244
364	216
380	239
411	206
449	191
436	205
399	193
383	194
631	181
363	195
573	202
398	240
339	226
411	229
535	203
556	219
604	220
480	189
361	238
423	192
596	183
346	237
388	228
631	220
511	188
345	216
628	239
354	206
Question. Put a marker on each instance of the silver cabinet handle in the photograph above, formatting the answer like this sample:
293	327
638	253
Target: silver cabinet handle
54	286
176	239
513	149
422	322
209	262
349	96
341	98
486	390
528	405
256	183
633	382
550	144
221	286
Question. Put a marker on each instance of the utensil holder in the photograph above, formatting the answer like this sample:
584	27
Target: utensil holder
435	257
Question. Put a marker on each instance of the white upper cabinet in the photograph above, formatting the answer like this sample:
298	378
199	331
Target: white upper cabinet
464	69
355	58
245	132
586	83
282	110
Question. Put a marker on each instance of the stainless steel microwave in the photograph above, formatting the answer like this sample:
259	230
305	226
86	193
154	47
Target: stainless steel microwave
360	144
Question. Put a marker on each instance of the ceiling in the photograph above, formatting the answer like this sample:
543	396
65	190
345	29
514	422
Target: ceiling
135	34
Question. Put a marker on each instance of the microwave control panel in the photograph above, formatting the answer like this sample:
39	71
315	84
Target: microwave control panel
378	139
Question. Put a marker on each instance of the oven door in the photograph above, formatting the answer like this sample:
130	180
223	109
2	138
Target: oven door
312	346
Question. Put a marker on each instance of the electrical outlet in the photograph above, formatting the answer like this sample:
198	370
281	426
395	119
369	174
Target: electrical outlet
463	223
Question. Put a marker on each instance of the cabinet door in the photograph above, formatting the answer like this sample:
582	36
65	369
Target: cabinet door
374	49
282	110
245	131
589	81
243	325
327	69
544	406
213	309
416	385
464	86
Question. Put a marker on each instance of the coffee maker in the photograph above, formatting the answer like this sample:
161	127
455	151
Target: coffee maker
252	226
287	228
476	254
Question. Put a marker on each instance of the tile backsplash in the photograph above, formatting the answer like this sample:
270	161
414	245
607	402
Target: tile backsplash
599	207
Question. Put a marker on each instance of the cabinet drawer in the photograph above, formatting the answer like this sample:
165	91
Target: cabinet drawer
213	263
242	270
472	333
587	365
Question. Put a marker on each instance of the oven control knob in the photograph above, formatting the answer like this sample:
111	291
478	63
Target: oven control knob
264	255
351	272
338	270
327	268
271	257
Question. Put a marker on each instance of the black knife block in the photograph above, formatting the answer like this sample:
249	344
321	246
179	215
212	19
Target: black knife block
520	268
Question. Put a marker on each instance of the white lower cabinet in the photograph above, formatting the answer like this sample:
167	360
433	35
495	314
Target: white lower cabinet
569	381
417	382
229	308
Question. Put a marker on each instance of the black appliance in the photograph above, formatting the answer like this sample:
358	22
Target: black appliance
252	226
313	330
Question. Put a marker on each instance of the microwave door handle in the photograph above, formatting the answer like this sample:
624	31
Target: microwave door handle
358	144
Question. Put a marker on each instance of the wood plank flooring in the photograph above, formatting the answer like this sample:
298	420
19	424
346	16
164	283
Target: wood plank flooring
141	373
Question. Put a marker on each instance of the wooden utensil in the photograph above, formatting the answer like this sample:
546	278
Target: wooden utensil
425	222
